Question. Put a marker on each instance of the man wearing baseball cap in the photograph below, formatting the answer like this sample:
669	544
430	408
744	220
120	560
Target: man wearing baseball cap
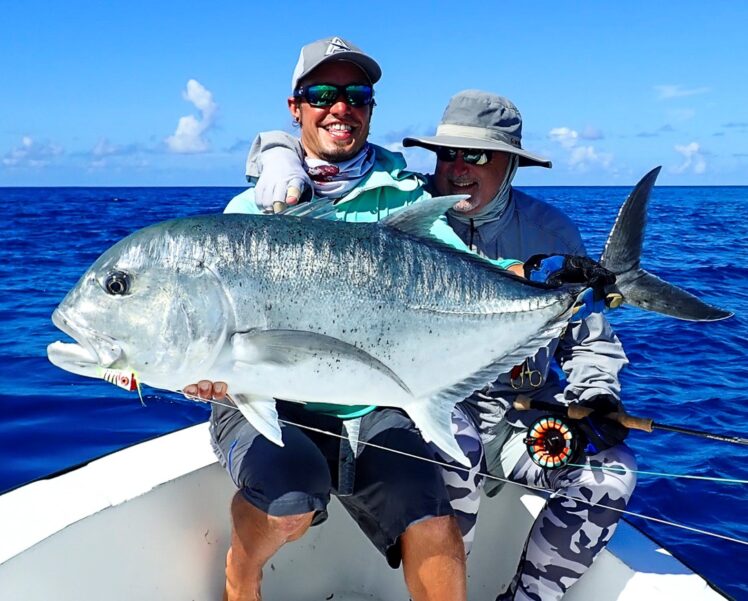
401	503
478	145
479	149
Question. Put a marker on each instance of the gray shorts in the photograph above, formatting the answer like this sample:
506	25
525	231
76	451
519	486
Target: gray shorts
389	491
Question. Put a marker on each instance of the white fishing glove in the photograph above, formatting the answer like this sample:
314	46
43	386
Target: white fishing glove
283	180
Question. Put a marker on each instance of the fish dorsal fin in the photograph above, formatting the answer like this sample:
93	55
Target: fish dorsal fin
324	208
417	218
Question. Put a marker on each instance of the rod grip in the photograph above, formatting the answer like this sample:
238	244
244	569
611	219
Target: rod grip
576	411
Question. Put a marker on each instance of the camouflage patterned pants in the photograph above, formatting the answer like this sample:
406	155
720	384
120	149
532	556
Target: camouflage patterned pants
464	485
568	535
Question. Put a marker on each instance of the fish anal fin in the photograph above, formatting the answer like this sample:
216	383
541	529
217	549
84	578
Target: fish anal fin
433	417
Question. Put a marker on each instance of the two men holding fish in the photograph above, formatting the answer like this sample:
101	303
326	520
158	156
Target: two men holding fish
478	147
378	330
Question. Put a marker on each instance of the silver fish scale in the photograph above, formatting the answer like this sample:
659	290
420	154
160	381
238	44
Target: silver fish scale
371	286
307	264
313	310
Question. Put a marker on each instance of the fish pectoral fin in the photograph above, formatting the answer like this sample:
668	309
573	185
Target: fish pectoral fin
288	347
262	414
434	419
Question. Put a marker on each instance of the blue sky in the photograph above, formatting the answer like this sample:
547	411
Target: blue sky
93	92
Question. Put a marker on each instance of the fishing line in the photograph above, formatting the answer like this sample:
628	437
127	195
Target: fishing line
492	477
603	468
622	470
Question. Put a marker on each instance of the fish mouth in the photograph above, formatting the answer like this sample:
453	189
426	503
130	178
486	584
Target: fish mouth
88	355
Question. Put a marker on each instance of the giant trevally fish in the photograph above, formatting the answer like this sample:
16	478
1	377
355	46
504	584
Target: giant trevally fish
314	310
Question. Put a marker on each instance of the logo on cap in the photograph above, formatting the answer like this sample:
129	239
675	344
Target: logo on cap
336	45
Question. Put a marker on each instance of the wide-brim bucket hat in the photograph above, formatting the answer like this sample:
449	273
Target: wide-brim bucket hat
484	121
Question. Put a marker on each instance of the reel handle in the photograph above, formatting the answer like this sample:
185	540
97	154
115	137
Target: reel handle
576	411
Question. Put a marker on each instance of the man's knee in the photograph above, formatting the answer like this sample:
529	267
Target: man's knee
249	520
439	533
290	527
613	471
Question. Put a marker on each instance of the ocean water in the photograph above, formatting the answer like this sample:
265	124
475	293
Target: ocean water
692	375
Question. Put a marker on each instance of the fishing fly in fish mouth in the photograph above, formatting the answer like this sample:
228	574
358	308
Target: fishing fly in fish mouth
256	302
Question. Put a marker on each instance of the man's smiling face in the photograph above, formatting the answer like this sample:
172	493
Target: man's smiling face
338	132
482	182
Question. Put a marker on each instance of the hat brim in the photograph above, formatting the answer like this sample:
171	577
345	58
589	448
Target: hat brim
526	159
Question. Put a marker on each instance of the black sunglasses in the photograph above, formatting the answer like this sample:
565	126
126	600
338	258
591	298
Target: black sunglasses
327	94
471	156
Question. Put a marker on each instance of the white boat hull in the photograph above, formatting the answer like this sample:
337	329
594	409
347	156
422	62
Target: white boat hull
151	523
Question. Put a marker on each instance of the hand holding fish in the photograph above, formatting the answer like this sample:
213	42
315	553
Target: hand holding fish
556	270
205	390
283	181
567	269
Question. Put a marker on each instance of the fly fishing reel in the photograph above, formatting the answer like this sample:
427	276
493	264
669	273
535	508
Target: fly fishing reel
552	442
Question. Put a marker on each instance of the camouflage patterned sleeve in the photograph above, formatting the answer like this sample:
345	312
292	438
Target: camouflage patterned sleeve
591	356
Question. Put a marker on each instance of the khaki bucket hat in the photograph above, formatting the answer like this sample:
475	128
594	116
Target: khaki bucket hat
480	120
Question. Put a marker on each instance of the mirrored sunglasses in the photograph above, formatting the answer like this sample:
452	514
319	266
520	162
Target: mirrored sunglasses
471	156
326	94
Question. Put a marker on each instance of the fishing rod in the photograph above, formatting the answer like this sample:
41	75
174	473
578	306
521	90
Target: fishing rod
646	424
127	380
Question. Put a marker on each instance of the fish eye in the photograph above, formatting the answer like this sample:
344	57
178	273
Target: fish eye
117	283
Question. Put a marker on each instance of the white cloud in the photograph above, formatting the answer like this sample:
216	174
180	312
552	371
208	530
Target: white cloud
693	159
564	136
581	158
189	136
31	154
666	92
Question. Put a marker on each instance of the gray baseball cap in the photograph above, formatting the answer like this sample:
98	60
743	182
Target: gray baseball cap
476	119
333	49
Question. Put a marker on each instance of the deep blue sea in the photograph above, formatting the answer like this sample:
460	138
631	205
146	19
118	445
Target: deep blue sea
687	374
